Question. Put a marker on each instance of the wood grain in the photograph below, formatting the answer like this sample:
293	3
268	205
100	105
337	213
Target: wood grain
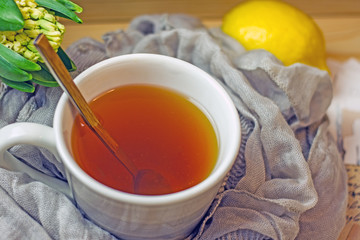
351	231
354	233
113	10
62	76
339	20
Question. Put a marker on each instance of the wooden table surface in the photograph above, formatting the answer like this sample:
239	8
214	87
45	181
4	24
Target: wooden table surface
339	21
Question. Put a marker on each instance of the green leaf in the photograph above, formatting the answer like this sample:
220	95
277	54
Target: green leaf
18	60
21	86
43	77
45	83
71	6
69	64
11	72
57	7
11	18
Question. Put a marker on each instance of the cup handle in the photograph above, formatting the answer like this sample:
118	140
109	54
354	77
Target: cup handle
30	134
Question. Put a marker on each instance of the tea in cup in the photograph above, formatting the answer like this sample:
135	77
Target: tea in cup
168	115
158	129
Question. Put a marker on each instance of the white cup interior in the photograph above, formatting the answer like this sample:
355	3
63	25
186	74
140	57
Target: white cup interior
162	71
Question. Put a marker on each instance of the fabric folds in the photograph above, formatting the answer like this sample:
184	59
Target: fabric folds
288	181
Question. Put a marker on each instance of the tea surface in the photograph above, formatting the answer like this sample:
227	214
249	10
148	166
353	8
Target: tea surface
157	128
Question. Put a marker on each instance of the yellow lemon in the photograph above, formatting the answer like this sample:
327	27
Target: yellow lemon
285	31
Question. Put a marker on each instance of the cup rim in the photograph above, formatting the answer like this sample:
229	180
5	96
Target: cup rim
147	200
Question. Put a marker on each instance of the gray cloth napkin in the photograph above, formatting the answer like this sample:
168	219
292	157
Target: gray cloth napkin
288	181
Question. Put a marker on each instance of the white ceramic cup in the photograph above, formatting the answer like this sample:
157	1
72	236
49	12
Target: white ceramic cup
131	216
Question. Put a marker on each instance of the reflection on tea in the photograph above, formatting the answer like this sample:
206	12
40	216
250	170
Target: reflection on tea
157	128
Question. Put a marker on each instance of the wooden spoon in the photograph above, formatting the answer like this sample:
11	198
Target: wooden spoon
143	179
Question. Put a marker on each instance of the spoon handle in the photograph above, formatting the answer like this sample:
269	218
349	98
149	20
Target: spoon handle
63	77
